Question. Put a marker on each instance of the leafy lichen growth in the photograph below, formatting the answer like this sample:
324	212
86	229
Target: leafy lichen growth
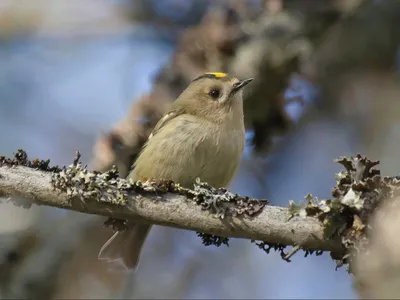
221	201
21	159
359	190
80	183
267	247
310	252
108	187
210	239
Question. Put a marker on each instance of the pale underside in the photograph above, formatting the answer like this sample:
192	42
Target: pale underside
207	155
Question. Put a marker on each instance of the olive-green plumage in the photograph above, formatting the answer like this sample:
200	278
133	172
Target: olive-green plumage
202	136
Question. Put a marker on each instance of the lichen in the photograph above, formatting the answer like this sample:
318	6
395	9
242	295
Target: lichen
210	239
359	190
267	247
21	159
221	201
108	187
80	183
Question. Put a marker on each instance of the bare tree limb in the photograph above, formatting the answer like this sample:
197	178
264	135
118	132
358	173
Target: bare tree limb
270	225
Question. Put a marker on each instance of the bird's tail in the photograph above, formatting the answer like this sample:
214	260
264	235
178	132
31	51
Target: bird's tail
126	245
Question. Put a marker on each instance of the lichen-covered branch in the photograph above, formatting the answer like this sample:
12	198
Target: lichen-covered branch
340	225
204	209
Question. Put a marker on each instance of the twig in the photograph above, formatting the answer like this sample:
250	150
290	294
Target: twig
291	253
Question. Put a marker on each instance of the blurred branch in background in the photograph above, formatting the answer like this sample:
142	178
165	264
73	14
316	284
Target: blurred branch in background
378	267
60	18
39	261
355	70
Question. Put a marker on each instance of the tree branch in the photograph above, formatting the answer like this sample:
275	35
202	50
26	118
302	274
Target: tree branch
168	209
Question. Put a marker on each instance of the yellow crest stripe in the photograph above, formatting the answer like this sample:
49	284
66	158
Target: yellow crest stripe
218	74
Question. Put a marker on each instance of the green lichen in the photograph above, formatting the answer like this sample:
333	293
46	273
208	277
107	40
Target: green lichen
78	182
359	190
222	202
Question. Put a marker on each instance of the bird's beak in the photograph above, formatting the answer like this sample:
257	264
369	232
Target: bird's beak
241	84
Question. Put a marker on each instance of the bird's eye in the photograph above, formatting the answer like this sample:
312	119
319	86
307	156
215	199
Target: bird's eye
214	93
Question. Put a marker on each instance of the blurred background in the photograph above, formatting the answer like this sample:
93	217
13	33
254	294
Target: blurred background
97	75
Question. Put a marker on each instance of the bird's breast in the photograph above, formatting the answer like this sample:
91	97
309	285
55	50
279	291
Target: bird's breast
187	149
224	152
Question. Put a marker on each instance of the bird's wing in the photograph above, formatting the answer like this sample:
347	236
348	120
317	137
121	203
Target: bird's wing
164	120
161	123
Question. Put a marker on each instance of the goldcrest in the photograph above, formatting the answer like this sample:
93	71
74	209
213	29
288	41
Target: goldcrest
202	136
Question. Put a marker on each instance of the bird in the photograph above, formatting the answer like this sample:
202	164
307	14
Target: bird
201	136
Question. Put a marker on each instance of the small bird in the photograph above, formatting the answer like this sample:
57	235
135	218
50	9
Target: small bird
202	136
